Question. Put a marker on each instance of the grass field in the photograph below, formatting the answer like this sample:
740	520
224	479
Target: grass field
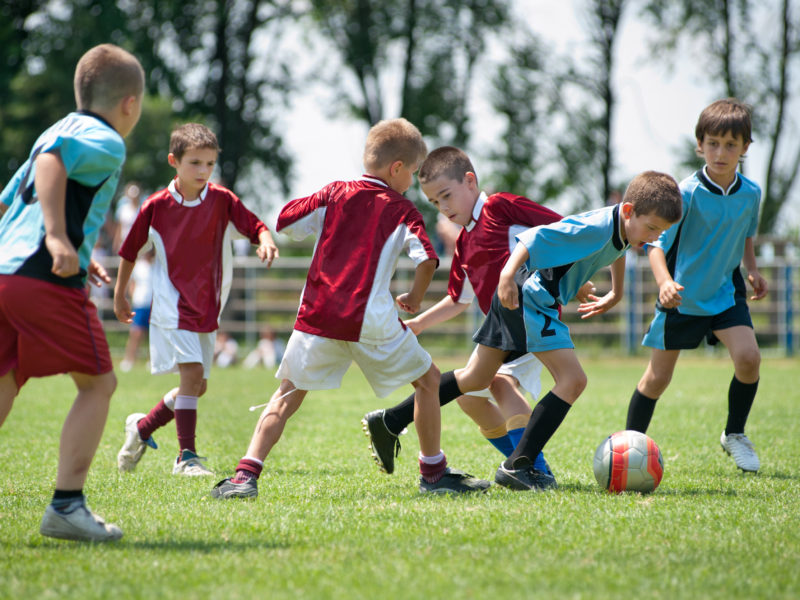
328	524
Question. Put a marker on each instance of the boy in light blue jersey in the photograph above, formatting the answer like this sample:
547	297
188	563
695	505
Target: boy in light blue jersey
701	290
562	257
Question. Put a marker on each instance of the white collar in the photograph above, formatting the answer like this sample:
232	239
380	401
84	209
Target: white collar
476	211
173	189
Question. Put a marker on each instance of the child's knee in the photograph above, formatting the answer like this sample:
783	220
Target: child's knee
748	361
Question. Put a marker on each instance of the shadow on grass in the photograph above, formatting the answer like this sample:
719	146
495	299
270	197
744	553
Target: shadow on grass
202	546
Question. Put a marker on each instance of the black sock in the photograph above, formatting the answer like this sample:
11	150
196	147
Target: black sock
400	416
740	400
62	499
640	411
546	418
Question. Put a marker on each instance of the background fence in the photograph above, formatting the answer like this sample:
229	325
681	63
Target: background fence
269	297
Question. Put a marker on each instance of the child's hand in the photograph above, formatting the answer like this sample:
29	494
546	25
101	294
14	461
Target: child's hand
759	285
583	295
596	305
408	304
413	325
122	309
97	275
669	294
507	292
65	258
267	251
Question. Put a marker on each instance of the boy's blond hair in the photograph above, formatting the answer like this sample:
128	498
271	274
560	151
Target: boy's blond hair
723	116
447	161
656	193
191	136
105	75
391	140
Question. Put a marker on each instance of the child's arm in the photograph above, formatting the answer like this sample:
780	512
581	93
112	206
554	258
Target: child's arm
122	308
444	310
267	250
411	301
668	289
51	186
507	291
97	275
598	306
753	276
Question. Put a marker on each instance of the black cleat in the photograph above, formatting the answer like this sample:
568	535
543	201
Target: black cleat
526	477
385	445
228	489
454	482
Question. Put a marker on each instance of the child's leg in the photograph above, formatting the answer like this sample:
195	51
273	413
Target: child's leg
8	391
489	420
653	383
83	428
192	386
427	413
283	404
743	348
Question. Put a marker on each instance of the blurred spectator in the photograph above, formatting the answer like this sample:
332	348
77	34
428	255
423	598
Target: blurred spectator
141	300
268	352
127	207
226	350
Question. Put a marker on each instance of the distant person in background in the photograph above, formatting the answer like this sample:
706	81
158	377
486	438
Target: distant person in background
141	290
127	208
226	350
268	352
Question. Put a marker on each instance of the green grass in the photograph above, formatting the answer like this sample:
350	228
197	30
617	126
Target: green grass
327	524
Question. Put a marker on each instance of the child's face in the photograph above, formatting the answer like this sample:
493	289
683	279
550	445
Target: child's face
194	170
722	154
641	229
454	199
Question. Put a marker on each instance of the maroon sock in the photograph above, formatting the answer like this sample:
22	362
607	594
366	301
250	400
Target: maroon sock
186	424
433	473
247	469
159	416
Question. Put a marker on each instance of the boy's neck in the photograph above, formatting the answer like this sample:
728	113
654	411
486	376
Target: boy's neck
724	184
187	196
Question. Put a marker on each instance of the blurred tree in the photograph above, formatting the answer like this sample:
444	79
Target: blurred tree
748	65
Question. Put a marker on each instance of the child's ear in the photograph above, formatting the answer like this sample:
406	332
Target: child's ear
471	178
627	210
395	168
173	162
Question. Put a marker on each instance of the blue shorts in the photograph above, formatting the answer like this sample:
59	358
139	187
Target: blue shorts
141	317
545	330
670	330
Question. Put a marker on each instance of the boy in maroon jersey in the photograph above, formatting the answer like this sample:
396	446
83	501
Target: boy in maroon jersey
489	224
347	312
187	224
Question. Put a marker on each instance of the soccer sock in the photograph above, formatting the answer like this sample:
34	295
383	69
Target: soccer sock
161	414
398	417
740	400
515	425
640	411
247	469
432	468
499	438
546	418
63	500
186	421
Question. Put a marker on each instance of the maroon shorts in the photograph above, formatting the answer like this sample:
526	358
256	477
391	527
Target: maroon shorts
47	329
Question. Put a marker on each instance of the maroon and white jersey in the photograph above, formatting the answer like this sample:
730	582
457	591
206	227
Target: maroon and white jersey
193	255
361	227
484	245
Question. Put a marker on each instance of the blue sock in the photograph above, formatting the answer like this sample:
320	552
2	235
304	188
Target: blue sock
503	444
540	464
516	436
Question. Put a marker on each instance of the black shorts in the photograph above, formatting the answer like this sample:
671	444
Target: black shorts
504	329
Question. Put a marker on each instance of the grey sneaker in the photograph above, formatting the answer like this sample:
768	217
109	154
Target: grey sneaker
741	449
188	463
384	444
526	477
454	482
228	489
134	446
79	524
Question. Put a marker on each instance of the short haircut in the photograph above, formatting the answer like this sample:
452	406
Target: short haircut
191	136
105	75
391	140
656	193
447	161
723	116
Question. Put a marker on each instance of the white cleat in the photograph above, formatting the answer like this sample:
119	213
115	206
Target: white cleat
132	450
190	464
741	449
80	524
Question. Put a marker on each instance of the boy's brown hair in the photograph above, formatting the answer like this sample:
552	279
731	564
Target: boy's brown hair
447	161
391	140
191	136
105	75
656	193
723	116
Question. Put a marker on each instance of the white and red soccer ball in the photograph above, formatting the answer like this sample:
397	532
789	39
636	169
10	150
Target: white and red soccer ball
628	461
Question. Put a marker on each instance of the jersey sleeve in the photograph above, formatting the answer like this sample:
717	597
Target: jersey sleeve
8	193
417	243
245	221
458	286
302	217
562	243
91	157
518	210
139	232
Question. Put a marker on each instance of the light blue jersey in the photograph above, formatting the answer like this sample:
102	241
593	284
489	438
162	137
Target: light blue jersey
706	246
93	154
563	256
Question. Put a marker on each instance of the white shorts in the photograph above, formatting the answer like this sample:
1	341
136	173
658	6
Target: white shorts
312	362
172	347
527	370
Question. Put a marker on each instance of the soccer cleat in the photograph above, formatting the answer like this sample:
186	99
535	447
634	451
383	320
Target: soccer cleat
79	524
188	463
384	444
454	482
134	446
741	449
527	477
228	489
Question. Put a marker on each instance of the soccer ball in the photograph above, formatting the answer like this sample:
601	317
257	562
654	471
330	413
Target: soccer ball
628	461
